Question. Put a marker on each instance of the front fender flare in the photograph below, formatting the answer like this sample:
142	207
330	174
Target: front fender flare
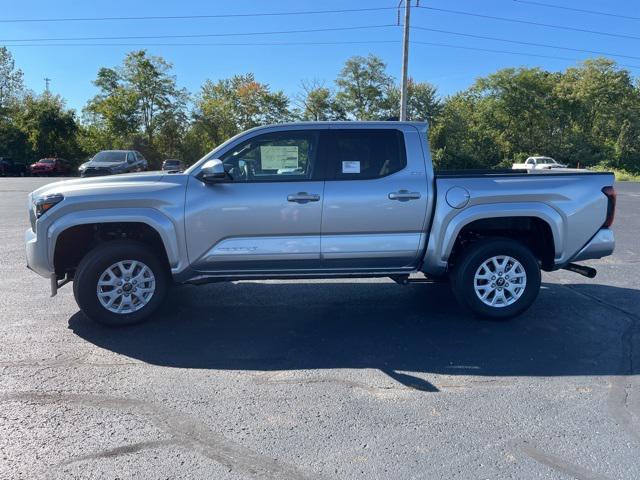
167	230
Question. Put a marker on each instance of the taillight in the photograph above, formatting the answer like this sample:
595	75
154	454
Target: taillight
610	192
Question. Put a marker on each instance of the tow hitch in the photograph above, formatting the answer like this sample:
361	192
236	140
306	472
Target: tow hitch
588	272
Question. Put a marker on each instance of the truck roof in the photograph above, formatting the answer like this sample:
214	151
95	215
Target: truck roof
422	126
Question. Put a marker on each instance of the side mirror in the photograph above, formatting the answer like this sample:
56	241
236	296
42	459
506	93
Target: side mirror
213	172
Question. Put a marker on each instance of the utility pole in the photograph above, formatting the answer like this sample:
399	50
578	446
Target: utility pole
46	84
405	61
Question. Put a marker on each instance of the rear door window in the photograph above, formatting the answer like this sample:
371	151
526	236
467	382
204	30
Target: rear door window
366	154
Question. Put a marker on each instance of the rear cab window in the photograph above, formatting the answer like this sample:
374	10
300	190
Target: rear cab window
365	154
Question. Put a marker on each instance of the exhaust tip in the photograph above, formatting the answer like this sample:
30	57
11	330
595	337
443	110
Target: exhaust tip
583	270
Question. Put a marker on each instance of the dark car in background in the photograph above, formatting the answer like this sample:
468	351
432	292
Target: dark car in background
111	162
11	168
50	166
172	165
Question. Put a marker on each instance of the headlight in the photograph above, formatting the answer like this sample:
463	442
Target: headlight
82	167
44	204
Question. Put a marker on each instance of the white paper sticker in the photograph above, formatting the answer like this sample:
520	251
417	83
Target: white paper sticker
274	157
351	167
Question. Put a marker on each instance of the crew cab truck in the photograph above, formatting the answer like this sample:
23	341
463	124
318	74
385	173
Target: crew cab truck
316	200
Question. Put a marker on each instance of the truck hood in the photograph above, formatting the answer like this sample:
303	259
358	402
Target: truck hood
109	185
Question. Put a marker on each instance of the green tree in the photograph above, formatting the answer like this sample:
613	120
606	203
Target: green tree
423	102
597	97
136	101
318	103
363	88
10	79
50	128
229	106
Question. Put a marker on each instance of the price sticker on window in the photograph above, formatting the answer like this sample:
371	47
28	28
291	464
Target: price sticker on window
351	166
275	157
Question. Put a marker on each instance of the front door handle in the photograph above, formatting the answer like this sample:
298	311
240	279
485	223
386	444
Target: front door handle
303	197
404	195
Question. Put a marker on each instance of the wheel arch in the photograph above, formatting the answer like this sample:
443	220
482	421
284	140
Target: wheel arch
72	236
444	241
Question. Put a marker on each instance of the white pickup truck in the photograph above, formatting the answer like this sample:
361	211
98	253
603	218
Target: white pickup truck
538	163
317	200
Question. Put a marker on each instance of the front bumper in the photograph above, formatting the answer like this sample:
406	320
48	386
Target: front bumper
96	172
37	256
602	244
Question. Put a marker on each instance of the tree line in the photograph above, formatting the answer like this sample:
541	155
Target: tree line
588	115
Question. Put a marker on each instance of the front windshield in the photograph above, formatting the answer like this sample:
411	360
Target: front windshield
110	156
46	160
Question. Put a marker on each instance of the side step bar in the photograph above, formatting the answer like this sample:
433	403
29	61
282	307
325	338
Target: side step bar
405	280
588	272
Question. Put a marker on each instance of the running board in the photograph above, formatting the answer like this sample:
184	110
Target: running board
588	272
405	280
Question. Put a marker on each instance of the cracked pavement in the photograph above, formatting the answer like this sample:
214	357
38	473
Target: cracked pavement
322	379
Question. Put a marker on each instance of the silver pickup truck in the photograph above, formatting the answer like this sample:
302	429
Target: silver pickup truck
317	200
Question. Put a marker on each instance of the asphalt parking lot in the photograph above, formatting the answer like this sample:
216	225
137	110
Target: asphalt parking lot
322	379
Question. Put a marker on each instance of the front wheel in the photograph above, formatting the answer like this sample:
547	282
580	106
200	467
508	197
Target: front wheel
120	283
496	278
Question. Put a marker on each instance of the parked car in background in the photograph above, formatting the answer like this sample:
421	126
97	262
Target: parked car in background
11	168
172	165
538	163
50	166
111	162
317	200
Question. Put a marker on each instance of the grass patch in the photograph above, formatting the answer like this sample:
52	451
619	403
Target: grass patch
621	175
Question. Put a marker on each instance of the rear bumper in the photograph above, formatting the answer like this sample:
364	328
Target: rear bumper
602	244
36	255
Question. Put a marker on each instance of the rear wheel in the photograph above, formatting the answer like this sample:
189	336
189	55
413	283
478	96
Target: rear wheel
120	283
496	278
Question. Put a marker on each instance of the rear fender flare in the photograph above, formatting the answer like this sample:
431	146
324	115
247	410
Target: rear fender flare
442	240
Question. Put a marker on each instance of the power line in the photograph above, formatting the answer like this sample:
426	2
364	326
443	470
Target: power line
186	17
199	35
528	22
447	45
581	10
198	44
520	42
363	42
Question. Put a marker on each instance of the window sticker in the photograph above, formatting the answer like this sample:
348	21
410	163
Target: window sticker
274	157
351	167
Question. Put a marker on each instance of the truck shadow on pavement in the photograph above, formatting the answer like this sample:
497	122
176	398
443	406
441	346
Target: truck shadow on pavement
407	332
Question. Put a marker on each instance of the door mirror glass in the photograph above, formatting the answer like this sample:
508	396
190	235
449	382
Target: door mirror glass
212	171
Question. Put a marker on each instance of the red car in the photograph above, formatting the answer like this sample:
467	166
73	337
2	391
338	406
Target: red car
50	166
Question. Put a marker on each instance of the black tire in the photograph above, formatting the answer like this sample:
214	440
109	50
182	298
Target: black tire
463	277
92	266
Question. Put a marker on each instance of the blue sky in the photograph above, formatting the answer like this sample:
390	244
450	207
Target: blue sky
283	67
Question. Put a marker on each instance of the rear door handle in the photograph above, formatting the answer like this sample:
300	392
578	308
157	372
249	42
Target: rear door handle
303	197
404	195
